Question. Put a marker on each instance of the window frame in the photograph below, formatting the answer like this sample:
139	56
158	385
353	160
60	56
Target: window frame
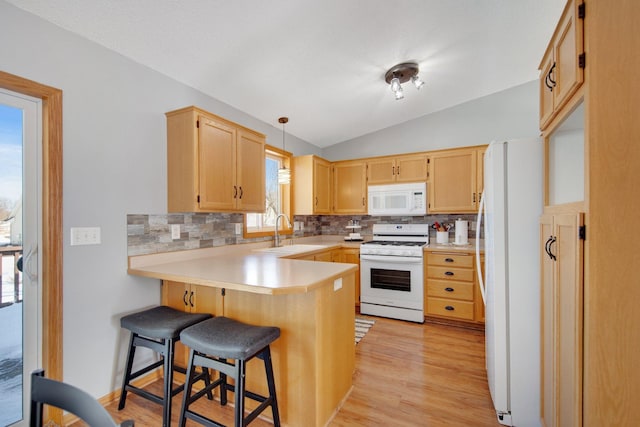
285	196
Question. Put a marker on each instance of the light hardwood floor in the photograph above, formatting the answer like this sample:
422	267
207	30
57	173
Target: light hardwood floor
407	374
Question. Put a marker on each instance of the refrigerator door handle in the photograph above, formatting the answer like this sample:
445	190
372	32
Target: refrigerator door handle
478	266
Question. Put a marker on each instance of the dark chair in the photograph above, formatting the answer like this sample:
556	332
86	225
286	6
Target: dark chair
211	343
45	391
158	329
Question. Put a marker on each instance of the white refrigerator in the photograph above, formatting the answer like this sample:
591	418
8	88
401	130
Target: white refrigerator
512	202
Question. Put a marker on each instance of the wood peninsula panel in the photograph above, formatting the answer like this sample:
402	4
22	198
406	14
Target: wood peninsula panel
314	358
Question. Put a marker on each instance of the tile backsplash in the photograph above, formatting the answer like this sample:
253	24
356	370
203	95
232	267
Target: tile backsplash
151	233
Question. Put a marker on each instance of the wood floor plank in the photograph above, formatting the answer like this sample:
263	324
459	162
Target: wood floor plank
407	374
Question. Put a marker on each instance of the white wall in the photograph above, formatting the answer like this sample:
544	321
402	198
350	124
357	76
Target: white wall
512	113
114	163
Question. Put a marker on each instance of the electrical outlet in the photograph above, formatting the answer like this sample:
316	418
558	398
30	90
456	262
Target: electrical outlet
296	225
337	284
85	236
175	231
238	229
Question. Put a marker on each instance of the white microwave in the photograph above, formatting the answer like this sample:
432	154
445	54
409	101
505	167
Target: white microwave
398	199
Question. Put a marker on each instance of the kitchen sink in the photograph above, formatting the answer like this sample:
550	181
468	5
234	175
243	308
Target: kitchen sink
292	249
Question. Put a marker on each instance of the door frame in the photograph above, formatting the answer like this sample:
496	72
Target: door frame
52	238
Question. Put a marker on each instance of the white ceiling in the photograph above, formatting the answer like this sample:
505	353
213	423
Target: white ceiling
322	62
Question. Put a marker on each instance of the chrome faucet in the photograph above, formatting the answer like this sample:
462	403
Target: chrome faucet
277	235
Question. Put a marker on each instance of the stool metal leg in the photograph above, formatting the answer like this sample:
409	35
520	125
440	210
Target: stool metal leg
187	390
127	372
272	386
169	345
239	392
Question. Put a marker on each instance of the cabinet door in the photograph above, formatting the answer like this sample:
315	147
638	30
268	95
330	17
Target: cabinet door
352	256
349	187
548	321
480	172
411	168
562	320
250	172
322	186
546	89
452	182
381	171
217	165
568	45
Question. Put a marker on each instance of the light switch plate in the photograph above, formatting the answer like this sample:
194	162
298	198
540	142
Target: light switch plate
238	229
85	236
337	284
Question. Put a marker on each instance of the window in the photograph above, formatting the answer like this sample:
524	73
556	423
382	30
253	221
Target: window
277	200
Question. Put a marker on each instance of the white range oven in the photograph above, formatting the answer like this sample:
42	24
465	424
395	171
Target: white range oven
391	272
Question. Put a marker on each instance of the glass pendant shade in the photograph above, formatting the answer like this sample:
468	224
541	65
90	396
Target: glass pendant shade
284	176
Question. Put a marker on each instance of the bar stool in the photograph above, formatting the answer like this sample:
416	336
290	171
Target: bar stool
158	329
212	342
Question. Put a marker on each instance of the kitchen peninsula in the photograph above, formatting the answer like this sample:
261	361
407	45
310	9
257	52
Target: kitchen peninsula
311	302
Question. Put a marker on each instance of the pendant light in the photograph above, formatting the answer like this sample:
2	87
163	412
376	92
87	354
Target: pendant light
284	174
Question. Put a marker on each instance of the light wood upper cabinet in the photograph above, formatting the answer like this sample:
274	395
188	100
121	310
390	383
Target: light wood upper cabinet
480	171
213	164
562	67
452	183
311	185
396	169
350	187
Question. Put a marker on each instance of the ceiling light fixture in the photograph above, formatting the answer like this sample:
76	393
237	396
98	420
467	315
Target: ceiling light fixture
284	174
402	73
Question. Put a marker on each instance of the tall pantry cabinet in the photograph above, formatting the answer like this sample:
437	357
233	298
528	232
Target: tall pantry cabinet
590	292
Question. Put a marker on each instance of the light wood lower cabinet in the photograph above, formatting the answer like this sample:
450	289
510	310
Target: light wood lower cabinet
352	256
562	319
344	255
451	287
192	299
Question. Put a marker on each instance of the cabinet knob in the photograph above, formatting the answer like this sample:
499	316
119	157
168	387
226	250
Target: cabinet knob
450	308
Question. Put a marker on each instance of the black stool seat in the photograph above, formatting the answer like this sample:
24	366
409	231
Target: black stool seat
212	342
161	322
158	329
228	339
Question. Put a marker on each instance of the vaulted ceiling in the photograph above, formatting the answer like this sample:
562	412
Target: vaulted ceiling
322	62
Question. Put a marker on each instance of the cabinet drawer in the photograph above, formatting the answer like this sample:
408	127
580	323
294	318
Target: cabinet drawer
450	289
450	273
450	308
456	260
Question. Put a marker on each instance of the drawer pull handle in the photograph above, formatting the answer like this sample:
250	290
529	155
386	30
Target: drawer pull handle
450	308
184	298
191	299
448	289
448	260
448	273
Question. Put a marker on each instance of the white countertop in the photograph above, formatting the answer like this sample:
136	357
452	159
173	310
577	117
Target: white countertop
244	267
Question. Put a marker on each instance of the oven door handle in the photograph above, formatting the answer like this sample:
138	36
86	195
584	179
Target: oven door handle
390	259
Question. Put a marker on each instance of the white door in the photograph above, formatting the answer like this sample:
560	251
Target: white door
20	307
